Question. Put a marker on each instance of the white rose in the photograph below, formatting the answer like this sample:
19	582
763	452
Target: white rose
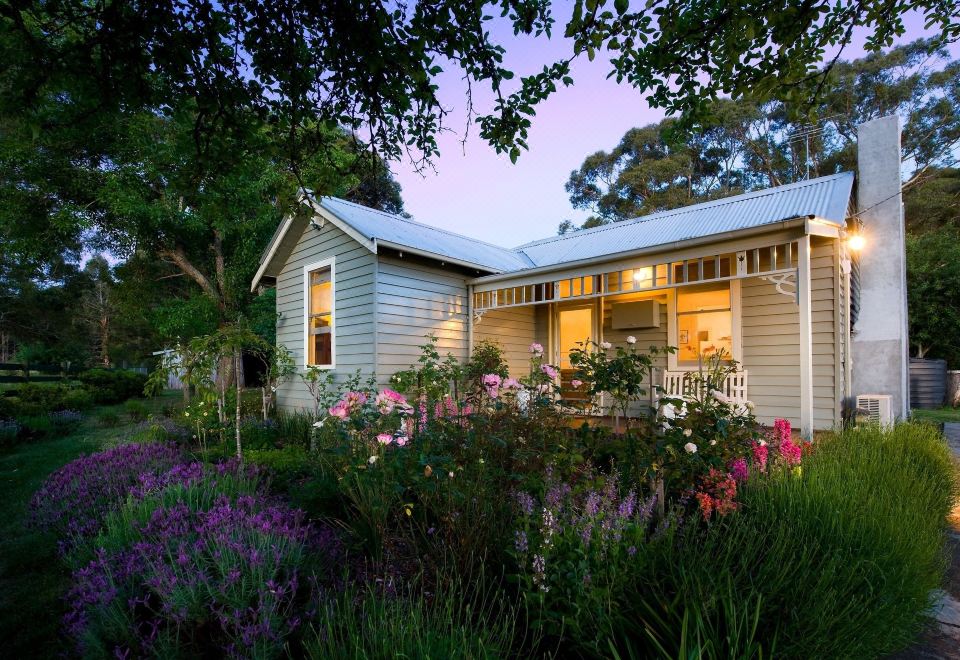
372	460
631	339
605	345
668	411
450	474
750	405
690	448
713	442
687	432
721	397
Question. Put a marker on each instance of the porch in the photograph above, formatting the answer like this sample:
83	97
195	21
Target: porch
772	302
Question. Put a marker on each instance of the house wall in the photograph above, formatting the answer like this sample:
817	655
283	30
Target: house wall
646	337
353	307
414	297
513	329
771	344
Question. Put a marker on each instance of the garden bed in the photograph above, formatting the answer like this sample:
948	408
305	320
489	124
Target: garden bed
484	525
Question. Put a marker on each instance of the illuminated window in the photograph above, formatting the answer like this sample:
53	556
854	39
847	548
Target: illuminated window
319	330
704	322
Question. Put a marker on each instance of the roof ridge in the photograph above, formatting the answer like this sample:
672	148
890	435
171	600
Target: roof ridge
426	226
656	215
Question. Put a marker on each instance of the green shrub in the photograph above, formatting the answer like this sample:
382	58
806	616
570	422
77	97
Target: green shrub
108	419
137	411
839	561
294	428
33	399
34	427
113	386
9	432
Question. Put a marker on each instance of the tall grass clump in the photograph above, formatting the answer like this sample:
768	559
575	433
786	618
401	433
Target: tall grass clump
447	623
838	560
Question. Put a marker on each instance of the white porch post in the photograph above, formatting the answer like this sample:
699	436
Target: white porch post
806	339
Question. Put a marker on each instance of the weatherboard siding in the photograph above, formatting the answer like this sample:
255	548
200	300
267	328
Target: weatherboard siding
413	299
354	286
771	345
513	330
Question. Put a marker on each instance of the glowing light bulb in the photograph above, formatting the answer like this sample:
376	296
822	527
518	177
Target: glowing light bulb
856	242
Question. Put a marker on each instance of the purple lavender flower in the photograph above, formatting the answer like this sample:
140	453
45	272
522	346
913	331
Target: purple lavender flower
520	541
74	500
525	500
242	556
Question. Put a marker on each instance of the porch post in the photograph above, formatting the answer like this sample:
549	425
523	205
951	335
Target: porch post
806	339
469	321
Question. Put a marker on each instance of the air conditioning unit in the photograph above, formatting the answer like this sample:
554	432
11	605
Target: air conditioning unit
877	407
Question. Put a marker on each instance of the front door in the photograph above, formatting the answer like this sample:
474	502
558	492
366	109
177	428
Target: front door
574	326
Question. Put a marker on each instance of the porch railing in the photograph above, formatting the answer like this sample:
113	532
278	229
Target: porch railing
682	383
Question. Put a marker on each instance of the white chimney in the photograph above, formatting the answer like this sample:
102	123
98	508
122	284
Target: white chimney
880	351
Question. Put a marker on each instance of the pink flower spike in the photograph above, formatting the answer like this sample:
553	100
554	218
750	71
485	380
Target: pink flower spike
385	438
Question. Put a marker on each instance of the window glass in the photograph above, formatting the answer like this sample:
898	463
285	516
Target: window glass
704	323
320	318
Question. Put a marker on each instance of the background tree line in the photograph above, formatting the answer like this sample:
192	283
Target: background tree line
748	145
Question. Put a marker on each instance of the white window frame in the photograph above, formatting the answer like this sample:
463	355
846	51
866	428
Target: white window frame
736	321
330	263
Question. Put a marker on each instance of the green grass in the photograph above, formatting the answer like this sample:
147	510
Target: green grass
32	579
838	561
937	415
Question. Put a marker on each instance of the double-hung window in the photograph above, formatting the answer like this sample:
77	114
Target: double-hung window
704	323
319	316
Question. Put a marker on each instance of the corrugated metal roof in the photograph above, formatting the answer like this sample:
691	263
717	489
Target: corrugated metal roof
383	226
825	197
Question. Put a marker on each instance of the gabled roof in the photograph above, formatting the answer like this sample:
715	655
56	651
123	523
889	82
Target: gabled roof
397	231
825	198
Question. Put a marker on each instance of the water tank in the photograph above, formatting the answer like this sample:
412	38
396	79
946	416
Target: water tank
928	383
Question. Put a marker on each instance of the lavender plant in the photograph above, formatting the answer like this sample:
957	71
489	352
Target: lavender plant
201	561
74	500
576	549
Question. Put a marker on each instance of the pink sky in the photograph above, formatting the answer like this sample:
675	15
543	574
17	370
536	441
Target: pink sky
478	193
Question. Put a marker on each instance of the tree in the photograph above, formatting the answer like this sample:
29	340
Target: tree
742	146
374	66
933	292
98	308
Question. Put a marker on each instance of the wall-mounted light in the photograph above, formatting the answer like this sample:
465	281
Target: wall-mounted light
643	276
856	242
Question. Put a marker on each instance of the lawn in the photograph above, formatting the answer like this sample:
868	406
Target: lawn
32	579
946	414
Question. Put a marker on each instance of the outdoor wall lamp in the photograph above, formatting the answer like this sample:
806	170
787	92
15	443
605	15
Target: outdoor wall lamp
856	242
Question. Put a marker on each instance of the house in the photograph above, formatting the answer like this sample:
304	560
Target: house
770	277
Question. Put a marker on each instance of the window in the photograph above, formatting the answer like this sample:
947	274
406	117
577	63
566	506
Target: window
318	333
704	322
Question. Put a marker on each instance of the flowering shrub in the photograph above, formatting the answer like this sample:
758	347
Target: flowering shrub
64	421
203	564
74	500
621	374
575	549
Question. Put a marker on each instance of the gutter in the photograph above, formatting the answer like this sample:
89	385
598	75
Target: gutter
790	223
433	255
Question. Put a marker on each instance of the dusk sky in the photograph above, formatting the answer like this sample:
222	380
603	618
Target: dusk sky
478	193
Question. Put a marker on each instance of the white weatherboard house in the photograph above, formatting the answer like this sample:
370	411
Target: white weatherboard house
769	276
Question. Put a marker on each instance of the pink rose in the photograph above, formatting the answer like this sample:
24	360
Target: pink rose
511	384
385	438
550	371
575	384
536	349
339	410
401	441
